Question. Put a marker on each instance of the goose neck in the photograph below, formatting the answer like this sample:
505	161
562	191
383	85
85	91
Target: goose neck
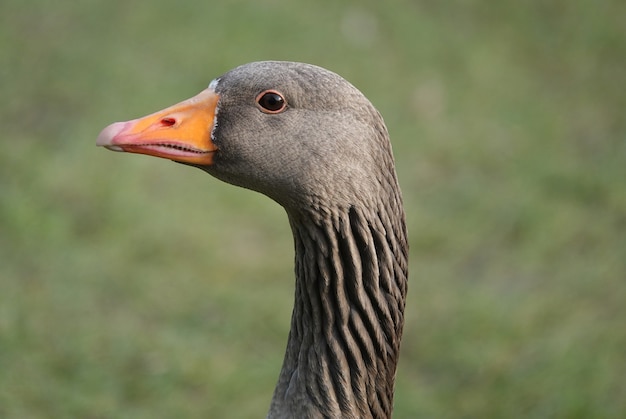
351	280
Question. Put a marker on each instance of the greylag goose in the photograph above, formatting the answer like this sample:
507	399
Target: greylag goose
309	140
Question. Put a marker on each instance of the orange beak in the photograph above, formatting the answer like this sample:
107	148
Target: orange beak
181	132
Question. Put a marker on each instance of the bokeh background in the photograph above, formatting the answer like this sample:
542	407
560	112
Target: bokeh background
132	287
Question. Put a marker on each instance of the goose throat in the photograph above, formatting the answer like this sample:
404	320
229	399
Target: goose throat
342	352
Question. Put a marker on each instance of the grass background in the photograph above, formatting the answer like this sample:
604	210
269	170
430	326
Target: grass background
131	287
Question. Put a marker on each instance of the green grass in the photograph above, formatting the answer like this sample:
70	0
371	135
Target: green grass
131	287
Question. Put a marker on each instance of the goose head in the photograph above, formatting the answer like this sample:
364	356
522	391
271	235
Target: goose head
295	132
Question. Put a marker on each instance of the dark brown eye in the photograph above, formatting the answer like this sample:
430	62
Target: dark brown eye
271	101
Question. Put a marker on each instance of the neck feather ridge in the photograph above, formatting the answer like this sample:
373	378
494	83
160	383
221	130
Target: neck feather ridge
351	282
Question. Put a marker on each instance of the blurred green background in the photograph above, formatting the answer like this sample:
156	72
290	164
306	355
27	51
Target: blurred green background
132	287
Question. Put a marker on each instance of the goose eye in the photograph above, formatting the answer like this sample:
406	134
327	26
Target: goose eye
271	102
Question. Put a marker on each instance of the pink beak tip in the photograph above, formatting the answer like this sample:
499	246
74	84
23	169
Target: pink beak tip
107	136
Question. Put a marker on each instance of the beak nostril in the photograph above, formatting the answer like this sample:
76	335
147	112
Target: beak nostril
168	122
